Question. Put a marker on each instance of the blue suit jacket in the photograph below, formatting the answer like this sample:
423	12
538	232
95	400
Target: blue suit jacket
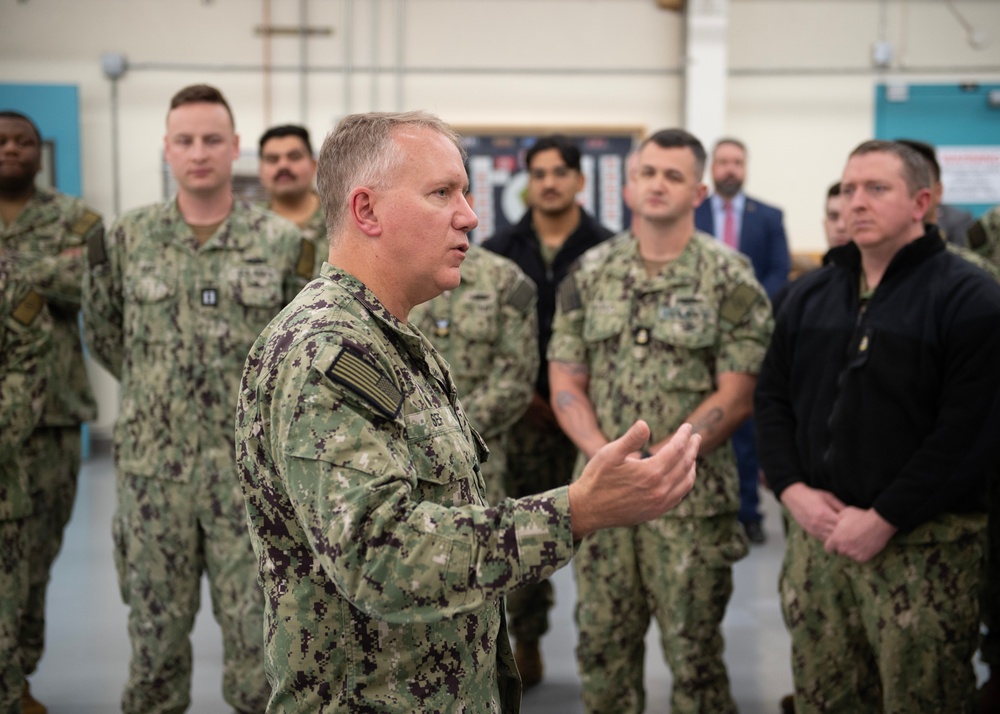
762	240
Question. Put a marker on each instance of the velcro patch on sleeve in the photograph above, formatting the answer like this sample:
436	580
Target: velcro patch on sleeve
738	304
85	222
521	295
97	254
569	295
307	260
353	370
977	235
27	310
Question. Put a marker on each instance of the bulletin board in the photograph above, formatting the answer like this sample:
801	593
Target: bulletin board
498	177
962	121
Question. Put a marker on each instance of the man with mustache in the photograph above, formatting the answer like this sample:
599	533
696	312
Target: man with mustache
287	170
553	233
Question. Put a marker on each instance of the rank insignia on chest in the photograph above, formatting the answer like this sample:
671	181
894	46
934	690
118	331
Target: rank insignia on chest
209	297
442	327
641	336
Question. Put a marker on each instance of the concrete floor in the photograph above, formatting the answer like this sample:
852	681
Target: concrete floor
86	660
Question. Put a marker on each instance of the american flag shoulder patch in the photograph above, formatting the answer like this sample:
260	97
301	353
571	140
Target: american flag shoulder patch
351	369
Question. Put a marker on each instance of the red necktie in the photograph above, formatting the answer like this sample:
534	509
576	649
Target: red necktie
729	227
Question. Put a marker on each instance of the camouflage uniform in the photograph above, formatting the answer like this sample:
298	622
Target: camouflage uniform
314	231
383	569
852	624
653	348
47	240
25	342
174	322
886	398
984	238
487	331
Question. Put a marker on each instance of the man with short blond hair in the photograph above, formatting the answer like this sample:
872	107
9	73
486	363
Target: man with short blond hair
176	296
383	567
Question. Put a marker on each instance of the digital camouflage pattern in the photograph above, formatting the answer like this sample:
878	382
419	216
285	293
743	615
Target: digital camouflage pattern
314	231
984	235
25	365
174	322
677	570
984	238
653	348
51	457
383	569
538	459
842	612
47	241
487	331
703	315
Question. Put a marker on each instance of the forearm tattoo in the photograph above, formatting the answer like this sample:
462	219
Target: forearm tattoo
708	423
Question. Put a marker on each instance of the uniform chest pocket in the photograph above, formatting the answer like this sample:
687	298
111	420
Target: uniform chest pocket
476	316
151	304
604	321
256	286
693	325
441	453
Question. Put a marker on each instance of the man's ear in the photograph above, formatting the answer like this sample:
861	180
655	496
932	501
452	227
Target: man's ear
361	205
701	193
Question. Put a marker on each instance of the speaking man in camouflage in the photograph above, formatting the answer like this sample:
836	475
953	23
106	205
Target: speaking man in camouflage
25	365
487	331
665	325
45	233
176	296
287	171
877	416
383	566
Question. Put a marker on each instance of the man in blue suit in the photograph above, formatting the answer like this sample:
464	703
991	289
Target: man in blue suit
756	230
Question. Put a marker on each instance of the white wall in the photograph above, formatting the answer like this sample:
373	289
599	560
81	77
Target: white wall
800	90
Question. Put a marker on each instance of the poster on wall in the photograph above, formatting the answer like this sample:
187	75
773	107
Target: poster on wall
970	174
498	177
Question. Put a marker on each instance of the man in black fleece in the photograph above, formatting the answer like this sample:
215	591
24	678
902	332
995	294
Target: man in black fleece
877	412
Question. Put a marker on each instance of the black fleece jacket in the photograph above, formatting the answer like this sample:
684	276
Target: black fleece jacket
520	244
893	405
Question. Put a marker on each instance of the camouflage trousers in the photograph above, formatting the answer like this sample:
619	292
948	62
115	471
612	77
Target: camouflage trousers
894	635
51	457
678	570
537	461
990	645
13	592
166	534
